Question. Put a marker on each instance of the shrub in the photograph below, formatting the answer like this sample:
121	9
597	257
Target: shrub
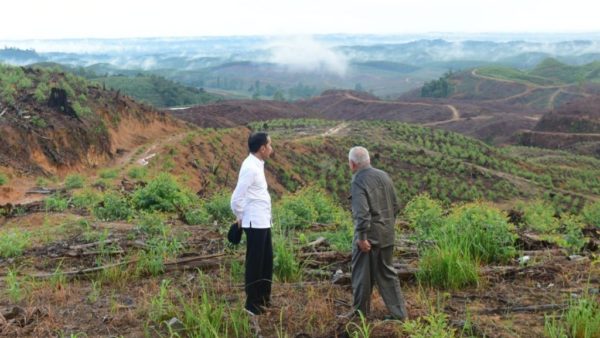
424	214
590	213
162	193
482	231
152	223
447	266
86	199
539	216
196	216
3	179
113	207
56	203
219	209
574	240
13	243
74	181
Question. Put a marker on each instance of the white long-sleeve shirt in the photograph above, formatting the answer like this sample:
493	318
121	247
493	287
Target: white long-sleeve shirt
251	201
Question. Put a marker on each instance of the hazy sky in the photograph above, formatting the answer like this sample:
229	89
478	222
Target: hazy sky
44	19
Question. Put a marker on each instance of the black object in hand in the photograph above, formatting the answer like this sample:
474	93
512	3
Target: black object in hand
234	235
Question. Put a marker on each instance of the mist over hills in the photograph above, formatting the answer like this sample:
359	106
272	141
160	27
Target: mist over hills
384	65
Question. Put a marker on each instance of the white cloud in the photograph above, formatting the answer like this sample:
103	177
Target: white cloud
305	54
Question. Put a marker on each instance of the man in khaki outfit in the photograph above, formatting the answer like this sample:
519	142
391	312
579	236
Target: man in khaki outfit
374	210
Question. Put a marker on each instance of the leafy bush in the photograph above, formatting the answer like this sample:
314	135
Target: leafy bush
574	240
113	207
447	266
13	242
56	203
219	209
74	181
591	213
539	216
424	214
482	231
3	179
162	193
86	199
197	216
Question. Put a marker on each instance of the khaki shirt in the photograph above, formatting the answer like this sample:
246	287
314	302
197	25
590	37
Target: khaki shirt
374	206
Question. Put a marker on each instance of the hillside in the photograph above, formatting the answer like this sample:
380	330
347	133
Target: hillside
574	126
55	123
549	85
142	86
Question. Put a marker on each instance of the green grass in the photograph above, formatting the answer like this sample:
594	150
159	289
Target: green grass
3	179
581	319
74	181
447	266
13	242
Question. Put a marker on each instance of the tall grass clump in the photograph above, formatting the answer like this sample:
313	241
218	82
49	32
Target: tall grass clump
481	231
448	266
581	319
285	264
162	193
13	242
86	199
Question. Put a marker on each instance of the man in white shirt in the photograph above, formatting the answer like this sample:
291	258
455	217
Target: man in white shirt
251	204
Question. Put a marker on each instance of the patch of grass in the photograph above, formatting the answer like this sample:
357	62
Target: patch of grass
13	242
86	199
3	179
56	203
362	330
197	216
285	264
138	173
591	213
74	181
581	319
219	209
434	325
109	173
14	287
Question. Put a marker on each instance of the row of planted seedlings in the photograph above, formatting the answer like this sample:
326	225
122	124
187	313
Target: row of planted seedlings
454	245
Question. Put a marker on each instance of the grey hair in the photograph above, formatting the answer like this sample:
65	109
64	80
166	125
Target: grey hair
360	156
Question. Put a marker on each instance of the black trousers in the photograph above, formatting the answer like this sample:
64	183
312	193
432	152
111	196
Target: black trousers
259	268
